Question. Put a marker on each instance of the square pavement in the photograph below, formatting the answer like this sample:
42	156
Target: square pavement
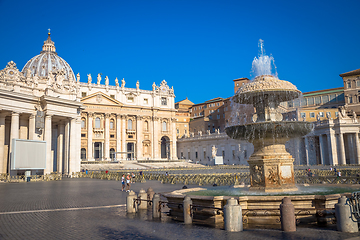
95	209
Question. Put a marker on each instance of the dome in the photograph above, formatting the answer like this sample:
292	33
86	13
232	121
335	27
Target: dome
47	61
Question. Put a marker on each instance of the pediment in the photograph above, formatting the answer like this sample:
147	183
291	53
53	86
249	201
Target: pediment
100	98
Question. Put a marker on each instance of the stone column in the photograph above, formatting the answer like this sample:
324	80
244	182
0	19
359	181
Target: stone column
332	149
357	145
32	134
307	151
118	136
3	159
66	147
60	147
90	153
47	139
173	136
23	132
342	160
322	152
155	138
107	137
123	138
138	138
73	144
14	130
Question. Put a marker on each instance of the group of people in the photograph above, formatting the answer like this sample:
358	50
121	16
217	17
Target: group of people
127	180
337	172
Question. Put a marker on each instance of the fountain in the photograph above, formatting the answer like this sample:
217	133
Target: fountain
271	166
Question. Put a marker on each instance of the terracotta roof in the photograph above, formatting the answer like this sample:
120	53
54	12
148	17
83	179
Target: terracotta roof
351	73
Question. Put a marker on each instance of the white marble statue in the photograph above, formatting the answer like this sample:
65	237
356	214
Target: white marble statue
153	86
213	151
116	82
123	83
106	81
78	77
89	78
99	79
137	85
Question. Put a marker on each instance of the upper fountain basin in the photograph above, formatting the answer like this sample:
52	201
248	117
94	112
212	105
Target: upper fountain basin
266	87
283	130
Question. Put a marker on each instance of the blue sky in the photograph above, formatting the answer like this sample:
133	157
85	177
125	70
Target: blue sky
198	47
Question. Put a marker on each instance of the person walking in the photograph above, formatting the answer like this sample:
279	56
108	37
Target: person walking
128	183
123	182
133	177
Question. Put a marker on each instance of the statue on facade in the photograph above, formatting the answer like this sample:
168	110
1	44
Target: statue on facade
354	114
106	81
98	79
78	77
89	78
153	86
123	83
116	82
137	85
213	151
317	117
342	111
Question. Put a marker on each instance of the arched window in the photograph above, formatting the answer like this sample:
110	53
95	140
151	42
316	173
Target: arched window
112	153
83	154
146	126
111	124
97	122
164	126
130	124
83	123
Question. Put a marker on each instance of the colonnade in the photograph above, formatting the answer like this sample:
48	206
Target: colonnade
62	156
333	148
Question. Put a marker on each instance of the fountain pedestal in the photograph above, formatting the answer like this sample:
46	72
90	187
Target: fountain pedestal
271	169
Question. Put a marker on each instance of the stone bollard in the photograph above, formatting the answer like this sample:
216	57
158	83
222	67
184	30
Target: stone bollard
287	215
345	222
130	206
187	210
156	206
233	216
142	196
150	194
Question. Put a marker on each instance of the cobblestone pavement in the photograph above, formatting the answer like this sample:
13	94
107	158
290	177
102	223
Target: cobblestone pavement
95	209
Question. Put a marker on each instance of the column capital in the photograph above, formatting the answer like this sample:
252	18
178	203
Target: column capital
107	115
90	114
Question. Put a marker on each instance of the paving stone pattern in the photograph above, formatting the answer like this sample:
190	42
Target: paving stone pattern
110	222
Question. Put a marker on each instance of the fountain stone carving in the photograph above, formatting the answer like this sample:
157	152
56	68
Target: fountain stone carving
271	166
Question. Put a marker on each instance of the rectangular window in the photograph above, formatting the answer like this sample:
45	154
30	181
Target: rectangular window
194	108
164	101
223	154
304	102
112	136
303	115
146	101
332	97
218	116
112	96
83	135
245	154
349	84
310	101
233	153
290	104
182	155
358	83
312	114
328	114
130	99
204	155
217	104
196	155
350	99
83	94
130	136
321	114
325	98
317	100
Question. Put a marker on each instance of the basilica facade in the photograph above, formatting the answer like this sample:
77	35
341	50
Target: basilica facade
91	121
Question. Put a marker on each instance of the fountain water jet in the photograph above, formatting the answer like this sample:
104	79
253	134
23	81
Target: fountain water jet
271	166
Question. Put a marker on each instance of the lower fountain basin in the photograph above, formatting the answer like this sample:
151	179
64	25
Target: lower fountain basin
313	204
